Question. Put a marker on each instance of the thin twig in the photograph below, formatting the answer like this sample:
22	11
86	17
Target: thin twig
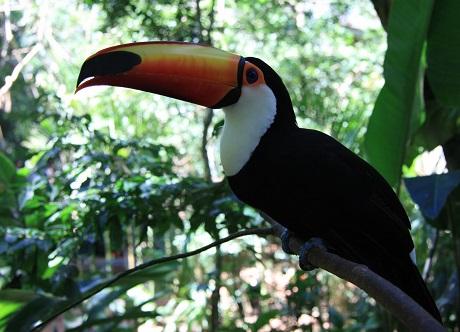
209	111
215	295
211	22
55	46
10	79
254	231
204	143
429	260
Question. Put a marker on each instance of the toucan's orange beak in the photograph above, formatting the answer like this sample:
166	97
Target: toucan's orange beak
198	74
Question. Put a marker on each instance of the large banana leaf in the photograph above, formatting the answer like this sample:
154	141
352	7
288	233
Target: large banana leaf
390	124
443	52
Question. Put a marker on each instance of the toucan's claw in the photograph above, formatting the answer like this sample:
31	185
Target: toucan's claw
285	238
314	242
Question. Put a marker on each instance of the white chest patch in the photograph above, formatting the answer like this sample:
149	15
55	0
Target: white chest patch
245	123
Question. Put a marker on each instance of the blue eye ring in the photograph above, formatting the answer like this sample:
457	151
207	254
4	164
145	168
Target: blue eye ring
251	75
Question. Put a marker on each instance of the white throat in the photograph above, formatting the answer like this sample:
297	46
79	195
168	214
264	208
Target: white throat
245	123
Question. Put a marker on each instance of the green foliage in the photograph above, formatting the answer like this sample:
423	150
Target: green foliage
430	192
7	170
10	183
399	100
83	192
39	307
11	300
93	184
168	20
442	107
417	108
443	63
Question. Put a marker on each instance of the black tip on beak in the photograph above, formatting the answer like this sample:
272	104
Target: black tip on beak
112	63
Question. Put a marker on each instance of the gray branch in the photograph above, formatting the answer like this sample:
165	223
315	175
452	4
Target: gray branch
400	305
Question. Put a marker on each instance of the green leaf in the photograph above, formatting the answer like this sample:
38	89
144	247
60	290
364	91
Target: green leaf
389	126
7	173
116	233
7	169
13	299
430	192
22	320
263	319
441	124
443	52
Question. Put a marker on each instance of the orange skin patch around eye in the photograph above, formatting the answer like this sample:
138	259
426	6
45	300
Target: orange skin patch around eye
260	74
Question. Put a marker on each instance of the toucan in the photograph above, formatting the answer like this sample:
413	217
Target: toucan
301	178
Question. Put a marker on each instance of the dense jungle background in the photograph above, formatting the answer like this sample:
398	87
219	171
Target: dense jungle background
96	183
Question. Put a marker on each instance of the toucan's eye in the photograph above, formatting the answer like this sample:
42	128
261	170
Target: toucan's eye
251	75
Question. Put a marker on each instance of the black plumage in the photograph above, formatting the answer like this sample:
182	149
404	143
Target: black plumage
303	179
316	187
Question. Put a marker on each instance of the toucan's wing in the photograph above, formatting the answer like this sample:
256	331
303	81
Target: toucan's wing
316	187
344	200
315	166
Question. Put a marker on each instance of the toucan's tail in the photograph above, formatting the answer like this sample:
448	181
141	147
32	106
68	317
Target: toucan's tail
404	274
411	282
395	267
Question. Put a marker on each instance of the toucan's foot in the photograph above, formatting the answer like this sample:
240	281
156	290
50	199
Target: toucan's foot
285	237
314	242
